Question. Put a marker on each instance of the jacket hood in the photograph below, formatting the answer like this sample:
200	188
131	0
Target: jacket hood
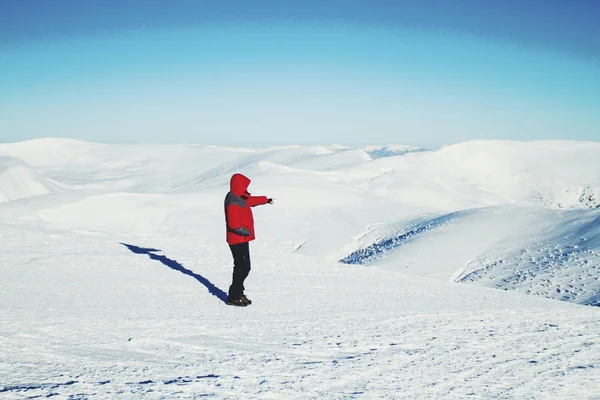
239	184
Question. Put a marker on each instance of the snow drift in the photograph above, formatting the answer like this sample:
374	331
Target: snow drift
18	180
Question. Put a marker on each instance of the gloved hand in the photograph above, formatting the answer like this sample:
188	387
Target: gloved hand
271	201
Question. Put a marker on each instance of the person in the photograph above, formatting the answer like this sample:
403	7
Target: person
240	231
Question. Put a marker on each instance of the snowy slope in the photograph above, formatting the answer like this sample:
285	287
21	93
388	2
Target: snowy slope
550	173
557	256
112	282
18	180
551	253
51	152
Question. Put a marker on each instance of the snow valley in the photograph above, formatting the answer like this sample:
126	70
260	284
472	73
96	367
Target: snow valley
375	275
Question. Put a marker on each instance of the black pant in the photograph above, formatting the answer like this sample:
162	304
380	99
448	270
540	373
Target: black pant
241	268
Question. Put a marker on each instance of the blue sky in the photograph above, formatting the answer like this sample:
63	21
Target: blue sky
260	72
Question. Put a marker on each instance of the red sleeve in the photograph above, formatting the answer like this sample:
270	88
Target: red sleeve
256	200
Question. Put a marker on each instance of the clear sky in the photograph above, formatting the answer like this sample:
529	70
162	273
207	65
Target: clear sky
311	71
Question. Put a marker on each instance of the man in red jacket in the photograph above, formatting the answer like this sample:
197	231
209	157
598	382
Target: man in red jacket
240	231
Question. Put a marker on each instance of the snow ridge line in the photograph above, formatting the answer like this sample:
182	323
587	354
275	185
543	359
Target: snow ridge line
377	250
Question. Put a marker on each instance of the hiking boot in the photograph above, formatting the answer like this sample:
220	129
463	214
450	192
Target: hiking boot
235	302
246	300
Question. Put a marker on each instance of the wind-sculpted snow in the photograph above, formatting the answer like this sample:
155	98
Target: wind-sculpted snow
555	254
396	239
562	264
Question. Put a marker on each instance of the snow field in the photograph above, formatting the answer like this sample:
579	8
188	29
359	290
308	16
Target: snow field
114	268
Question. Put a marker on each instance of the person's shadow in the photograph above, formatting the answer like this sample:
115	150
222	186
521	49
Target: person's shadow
212	289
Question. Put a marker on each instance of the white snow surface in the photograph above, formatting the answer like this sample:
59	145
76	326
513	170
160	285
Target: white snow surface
374	275
18	180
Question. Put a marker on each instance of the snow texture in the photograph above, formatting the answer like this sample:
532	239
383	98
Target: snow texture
375	274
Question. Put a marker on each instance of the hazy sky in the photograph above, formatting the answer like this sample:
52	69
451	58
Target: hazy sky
311	71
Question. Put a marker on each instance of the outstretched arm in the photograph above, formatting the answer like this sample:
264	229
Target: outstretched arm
257	200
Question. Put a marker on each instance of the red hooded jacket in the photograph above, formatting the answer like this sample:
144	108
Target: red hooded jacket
238	212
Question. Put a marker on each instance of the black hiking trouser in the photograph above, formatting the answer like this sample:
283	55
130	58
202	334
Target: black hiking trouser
241	268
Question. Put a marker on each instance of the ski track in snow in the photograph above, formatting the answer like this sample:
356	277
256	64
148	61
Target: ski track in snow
112	283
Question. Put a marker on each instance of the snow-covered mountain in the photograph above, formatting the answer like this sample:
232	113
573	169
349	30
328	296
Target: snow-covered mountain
371	273
390	150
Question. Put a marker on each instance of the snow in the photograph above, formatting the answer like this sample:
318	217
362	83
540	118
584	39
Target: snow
390	150
562	264
372	277
18	180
